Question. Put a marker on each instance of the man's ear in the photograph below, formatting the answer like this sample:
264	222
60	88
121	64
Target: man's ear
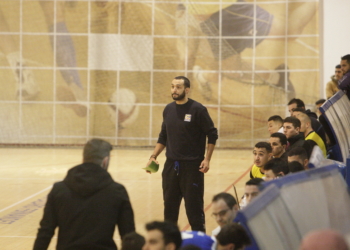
235	207
105	163
308	124
187	90
230	246
270	156
297	129
280	174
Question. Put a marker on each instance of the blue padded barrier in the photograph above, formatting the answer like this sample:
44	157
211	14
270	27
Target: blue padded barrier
291	206
337	115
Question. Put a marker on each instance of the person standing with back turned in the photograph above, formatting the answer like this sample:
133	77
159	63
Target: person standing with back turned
87	205
186	125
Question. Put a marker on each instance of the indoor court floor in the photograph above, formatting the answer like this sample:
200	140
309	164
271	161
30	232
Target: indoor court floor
27	175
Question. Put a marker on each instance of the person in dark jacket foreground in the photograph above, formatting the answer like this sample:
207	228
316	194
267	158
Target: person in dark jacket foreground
87	205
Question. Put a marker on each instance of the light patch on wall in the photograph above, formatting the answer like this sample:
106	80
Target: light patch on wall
120	52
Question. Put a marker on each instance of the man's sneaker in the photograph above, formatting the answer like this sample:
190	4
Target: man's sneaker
281	81
27	87
204	85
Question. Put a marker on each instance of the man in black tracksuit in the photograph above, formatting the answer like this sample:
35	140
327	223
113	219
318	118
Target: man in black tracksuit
296	105
185	128
87	205
291	128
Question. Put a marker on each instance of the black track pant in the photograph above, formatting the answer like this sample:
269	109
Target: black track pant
182	179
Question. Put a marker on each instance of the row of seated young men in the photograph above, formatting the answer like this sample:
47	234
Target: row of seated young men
291	143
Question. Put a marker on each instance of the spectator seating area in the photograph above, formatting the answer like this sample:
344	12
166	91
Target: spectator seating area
282	214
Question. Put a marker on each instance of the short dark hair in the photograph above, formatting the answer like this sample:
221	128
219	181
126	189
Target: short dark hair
95	150
299	110
282	137
264	144
320	101
277	165
299	151
298	102
233	233
295	166
133	241
346	57
254	182
228	198
275	118
338	66
171	233
293	120
187	82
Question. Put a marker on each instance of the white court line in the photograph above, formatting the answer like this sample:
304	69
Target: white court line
29	197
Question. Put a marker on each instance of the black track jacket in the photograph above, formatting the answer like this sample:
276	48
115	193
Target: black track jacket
86	206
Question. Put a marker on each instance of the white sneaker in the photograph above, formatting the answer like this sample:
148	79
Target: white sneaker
204	85
27	87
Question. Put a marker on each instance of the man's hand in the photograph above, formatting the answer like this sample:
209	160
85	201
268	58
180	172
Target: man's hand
149	162
204	167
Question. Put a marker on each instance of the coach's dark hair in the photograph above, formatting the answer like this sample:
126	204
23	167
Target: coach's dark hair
298	102
293	120
171	233
133	241
277	165
338	66
263	144
346	57
187	82
254	182
233	233
295	166
299	151
275	118
282	137
228	198
95	150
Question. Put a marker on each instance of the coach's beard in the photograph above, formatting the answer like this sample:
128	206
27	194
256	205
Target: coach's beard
178	97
